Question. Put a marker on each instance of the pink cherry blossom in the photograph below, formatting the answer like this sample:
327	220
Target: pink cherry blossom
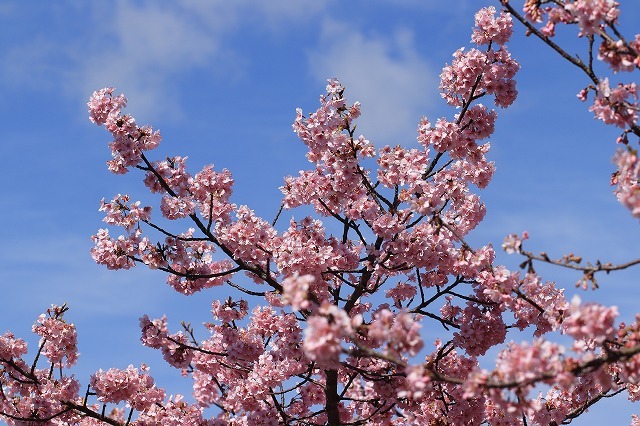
618	105
103	104
59	338
590	14
129	140
136	388
175	412
491	29
230	310
513	243
296	290
401	331
627	180
122	213
154	331
10	347
590	321
324	335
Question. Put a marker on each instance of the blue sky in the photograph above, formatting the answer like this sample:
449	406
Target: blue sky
221	80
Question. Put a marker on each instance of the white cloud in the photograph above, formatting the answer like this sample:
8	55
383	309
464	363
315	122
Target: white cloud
143	48
385	73
270	15
152	42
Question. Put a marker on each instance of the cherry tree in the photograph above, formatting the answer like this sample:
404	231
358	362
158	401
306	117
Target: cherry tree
326	328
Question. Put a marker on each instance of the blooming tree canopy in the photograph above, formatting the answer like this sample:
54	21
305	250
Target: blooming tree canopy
328	328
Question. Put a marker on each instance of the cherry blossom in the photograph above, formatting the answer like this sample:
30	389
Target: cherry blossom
130	385
626	179
59	338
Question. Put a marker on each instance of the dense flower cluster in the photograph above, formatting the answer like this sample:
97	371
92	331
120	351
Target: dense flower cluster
58	338
129	140
618	105
136	388
122	213
590	15
620	56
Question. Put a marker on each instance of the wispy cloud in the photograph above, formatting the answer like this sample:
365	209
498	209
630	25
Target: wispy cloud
384	72
144	48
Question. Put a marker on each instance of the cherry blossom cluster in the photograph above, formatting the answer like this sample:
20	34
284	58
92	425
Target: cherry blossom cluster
295	291
627	180
10	347
175	412
335	185
113	252
513	243
129	140
474	73
620	56
58	338
229	310
122	213
305	249
30	393
491	29
590	15
130	385
325	333
399	332
425	398
33	395
617	105
590	323
265	354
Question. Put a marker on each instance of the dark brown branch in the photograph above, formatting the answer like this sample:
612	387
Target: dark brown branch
577	62
573	262
332	398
